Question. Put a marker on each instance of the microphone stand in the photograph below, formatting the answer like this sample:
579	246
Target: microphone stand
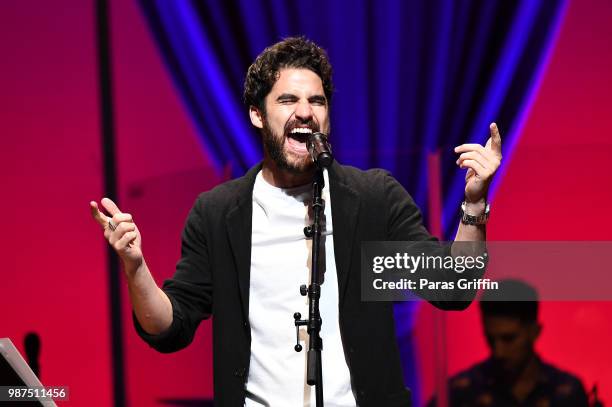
314	371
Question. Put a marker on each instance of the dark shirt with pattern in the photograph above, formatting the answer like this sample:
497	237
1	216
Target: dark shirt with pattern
478	387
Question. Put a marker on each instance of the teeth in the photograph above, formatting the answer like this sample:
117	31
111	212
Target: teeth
303	130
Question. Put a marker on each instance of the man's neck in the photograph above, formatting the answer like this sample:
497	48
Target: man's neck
281	178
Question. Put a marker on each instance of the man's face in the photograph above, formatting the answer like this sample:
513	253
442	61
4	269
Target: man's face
295	107
511	342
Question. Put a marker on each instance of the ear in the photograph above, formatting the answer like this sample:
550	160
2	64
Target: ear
256	117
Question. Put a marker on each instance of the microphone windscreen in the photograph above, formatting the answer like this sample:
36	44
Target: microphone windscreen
320	150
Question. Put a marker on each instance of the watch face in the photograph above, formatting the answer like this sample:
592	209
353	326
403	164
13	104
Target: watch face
468	219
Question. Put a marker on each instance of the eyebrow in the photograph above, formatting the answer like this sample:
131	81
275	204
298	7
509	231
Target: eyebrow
286	96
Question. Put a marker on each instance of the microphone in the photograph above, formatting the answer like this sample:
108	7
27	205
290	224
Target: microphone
320	150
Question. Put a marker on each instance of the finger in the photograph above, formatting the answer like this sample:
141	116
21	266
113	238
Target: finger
476	156
122	218
110	206
97	215
463	148
120	232
125	227
124	243
495	139
476	166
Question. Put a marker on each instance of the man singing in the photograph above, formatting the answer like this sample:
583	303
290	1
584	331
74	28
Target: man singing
244	254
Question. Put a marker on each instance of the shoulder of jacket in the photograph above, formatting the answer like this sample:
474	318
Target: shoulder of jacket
226	194
368	178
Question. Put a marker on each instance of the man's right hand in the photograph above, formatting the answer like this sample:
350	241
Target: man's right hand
125	238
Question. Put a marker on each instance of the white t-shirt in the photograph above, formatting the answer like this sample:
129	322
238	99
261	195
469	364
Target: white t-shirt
280	263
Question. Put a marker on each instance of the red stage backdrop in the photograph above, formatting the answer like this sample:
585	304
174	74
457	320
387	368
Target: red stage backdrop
53	263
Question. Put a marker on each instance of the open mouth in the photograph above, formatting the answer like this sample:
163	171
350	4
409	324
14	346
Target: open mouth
300	133
297	138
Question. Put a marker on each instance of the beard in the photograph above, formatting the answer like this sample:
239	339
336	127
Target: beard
275	147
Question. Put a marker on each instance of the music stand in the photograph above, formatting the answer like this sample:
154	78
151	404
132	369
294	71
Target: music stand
14	371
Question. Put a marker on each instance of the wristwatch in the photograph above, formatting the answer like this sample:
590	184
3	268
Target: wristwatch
467	219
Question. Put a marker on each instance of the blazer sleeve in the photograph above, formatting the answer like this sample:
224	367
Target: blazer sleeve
190	289
404	219
405	223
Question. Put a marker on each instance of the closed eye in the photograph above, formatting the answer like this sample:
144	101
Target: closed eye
285	99
318	100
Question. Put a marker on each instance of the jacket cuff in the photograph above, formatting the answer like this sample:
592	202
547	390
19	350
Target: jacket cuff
163	339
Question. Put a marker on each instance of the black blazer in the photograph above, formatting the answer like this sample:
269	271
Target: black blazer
212	278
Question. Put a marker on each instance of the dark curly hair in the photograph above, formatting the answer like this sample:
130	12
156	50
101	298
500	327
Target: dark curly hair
513	299
292	52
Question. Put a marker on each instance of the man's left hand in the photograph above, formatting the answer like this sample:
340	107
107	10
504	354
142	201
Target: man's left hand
482	163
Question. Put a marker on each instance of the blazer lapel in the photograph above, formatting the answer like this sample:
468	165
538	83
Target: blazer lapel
345	207
239	221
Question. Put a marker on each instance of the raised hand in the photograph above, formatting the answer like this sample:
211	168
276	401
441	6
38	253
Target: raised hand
482	163
121	233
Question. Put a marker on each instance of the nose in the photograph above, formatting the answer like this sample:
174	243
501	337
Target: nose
303	111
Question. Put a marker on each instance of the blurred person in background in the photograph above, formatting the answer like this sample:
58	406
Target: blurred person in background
514	374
